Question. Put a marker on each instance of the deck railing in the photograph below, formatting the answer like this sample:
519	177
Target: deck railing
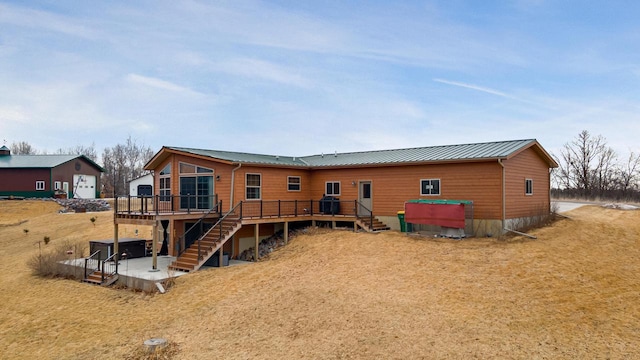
166	204
169	204
286	208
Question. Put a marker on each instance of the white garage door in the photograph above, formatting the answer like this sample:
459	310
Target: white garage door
84	186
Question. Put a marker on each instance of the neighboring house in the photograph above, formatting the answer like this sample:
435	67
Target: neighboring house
141	186
73	176
253	195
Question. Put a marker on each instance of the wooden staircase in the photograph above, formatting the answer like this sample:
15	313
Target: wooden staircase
367	225
209	243
96	278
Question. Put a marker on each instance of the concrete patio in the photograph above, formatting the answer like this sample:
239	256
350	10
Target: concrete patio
139	274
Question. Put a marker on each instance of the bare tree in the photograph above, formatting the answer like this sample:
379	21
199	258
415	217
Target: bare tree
587	164
628	175
123	163
22	148
88	151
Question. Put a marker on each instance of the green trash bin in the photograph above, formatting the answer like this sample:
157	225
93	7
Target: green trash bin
403	225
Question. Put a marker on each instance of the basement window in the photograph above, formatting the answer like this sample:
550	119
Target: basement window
528	186
430	187
57	185
293	183
39	185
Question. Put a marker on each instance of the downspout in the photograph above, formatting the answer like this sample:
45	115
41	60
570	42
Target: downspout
549	194
233	178
504	197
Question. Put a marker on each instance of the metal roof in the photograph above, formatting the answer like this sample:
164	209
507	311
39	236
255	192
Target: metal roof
478	151
39	161
462	152
239	157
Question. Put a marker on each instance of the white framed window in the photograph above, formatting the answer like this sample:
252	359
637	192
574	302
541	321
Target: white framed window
39	185
528	186
332	188
57	185
253	186
165	183
293	183
430	187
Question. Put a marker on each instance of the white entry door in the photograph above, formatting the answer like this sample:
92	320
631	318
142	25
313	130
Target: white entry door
364	198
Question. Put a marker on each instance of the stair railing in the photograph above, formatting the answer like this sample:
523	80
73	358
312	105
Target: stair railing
109	266
92	263
236	210
198	225
366	210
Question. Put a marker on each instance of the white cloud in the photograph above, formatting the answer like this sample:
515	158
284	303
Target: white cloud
159	84
259	69
29	18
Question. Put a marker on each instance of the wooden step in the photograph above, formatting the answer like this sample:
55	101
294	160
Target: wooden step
189	259
181	268
96	278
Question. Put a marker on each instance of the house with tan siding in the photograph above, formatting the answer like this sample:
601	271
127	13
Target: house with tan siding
211	200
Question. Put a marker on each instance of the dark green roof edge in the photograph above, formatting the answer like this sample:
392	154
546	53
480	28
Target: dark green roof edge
439	153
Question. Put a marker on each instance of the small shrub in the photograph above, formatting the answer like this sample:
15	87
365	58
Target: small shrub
26	231
46	240
49	263
93	220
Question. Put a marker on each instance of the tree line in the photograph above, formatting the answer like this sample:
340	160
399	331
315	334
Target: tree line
121	163
590	169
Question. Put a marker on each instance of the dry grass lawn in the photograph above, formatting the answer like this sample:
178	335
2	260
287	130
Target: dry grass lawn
573	293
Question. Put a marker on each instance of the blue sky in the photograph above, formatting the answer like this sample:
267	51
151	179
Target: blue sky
300	78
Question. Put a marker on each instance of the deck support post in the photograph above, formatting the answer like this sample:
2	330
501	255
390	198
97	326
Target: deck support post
221	256
286	232
257	251
115	241
313	223
154	245
333	224
233	247
355	226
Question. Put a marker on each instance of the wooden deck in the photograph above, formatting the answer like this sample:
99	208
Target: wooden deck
143	212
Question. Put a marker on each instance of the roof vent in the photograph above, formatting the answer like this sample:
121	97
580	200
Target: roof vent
335	154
